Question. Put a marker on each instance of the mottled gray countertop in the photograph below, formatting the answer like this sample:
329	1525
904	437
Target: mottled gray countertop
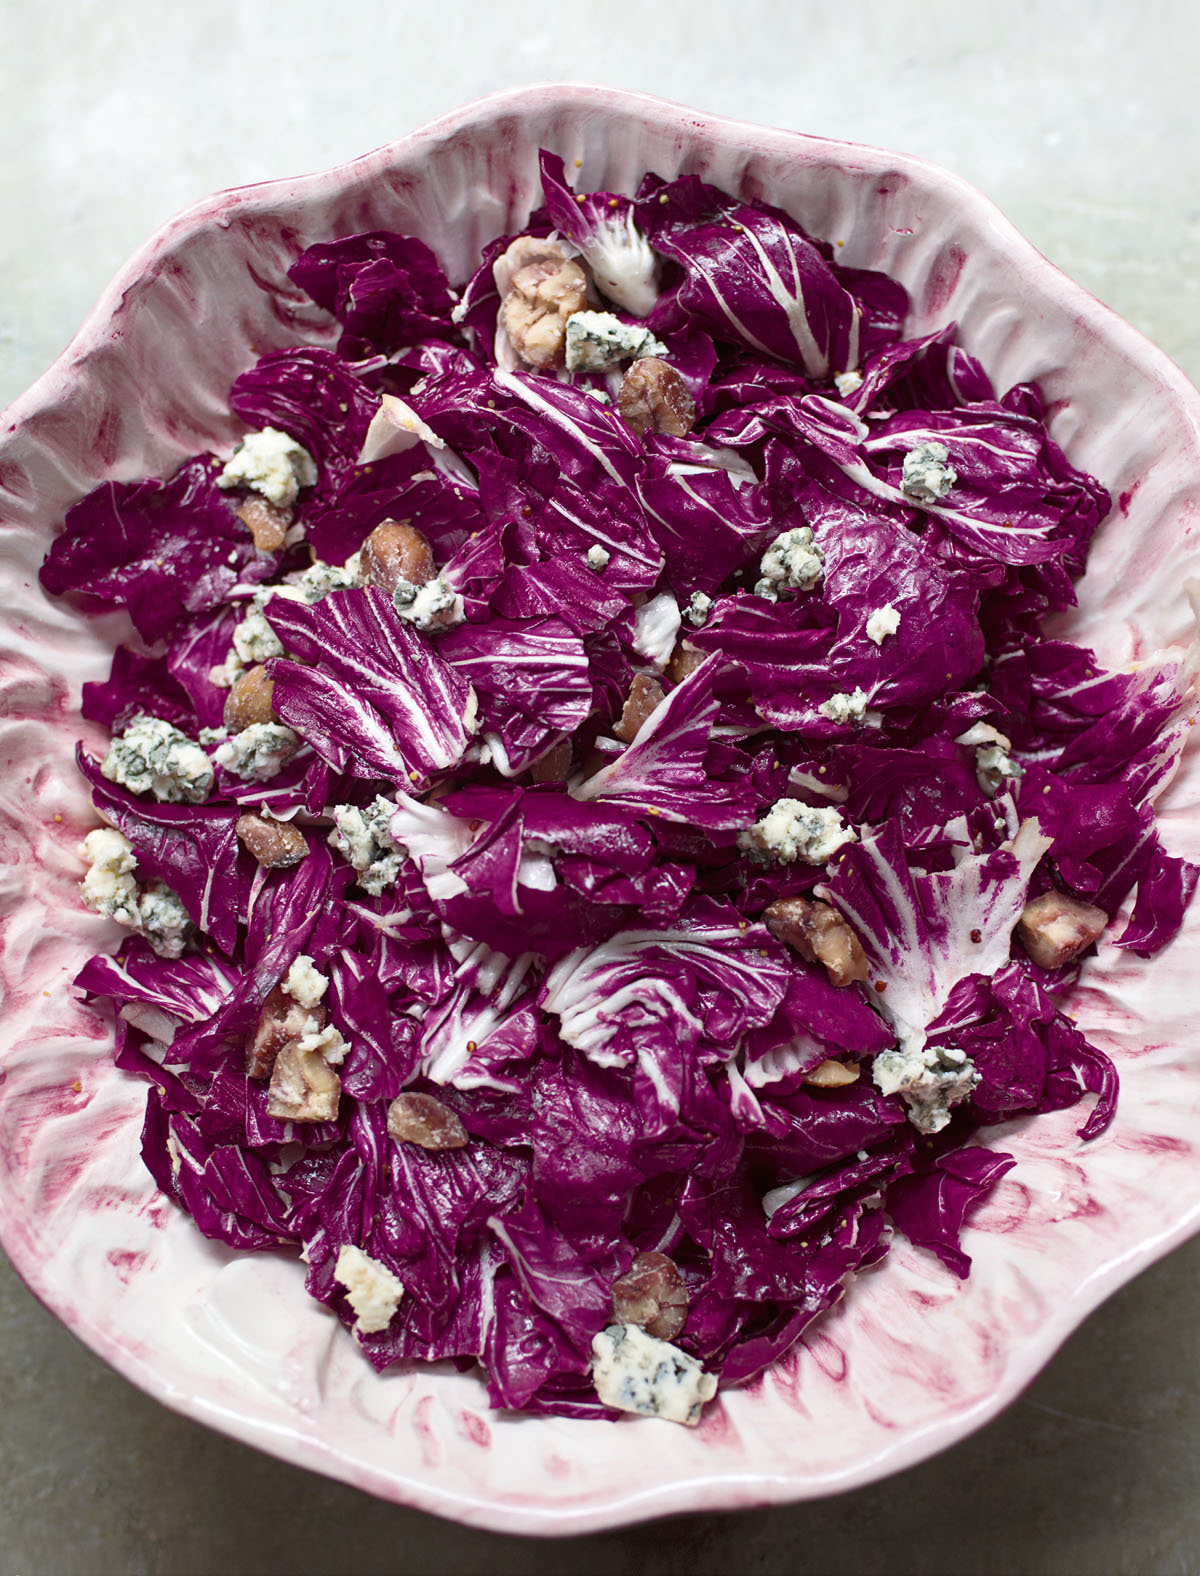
1079	120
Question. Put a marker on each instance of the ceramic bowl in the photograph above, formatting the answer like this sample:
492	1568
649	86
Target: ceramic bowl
912	1359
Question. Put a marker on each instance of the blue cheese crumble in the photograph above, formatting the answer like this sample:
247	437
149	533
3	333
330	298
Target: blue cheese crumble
362	837
929	1081
884	621
847	383
597	341
110	889
598	557
925	476
372	1291
254	641
792	562
435	605
258	752
636	1372
792	830
698	609
272	464
845	706
151	756
320	578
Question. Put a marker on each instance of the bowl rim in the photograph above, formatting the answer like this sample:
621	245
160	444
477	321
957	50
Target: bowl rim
726	1489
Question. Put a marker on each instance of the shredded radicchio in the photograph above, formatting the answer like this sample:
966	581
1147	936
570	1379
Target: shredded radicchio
645	835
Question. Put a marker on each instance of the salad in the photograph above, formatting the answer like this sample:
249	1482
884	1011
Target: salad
602	832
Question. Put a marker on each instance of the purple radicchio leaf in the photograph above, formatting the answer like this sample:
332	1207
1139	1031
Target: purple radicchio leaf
160	549
930	1207
923	931
1164	892
387	290
533	671
603	227
378	701
751	275
138	684
661	773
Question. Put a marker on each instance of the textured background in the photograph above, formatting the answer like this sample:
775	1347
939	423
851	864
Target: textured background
1078	121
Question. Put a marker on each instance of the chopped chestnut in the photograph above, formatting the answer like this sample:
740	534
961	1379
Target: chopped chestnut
267	523
249	700
396	551
654	398
645	694
831	1075
416	1118
304	1088
819	933
1055	928
280	1021
545	289
554	765
273	843
685	659
652	1294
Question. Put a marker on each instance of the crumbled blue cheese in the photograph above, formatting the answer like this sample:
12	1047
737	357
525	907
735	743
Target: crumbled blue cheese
163	920
929	1081
372	1290
925	476
698	608
793	830
109	888
258	752
305	983
598	557
793	561
656	628
597	341
847	383
435	605
151	756
636	1372
362	837
320	578
253	639
884	621
270	463
845	706
993	765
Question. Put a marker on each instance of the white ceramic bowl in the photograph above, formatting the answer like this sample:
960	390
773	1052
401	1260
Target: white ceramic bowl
913	1359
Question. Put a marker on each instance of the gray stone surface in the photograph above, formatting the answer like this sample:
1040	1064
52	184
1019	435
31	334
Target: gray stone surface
1079	121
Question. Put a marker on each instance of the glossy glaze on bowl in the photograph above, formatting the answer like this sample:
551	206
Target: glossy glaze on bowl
913	1359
